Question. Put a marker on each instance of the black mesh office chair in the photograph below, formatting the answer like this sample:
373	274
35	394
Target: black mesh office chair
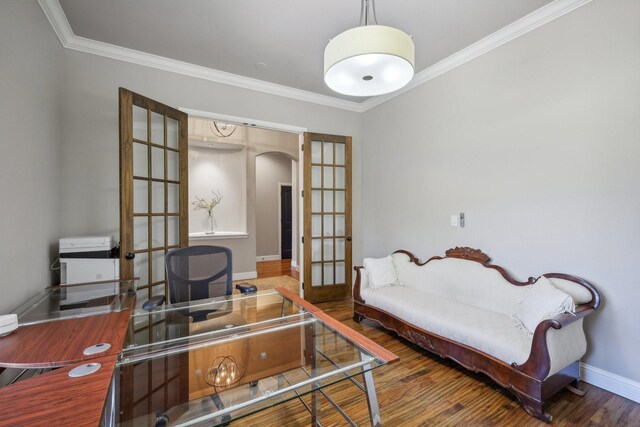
199	272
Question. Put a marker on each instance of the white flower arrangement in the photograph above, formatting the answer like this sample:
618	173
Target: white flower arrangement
208	204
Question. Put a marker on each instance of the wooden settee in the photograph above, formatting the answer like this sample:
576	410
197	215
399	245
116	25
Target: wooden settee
552	352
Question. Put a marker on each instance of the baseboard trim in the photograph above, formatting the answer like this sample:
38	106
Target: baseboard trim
294	264
611	382
267	258
245	276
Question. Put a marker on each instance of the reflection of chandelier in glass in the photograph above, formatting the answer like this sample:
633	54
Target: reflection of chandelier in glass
222	129
223	373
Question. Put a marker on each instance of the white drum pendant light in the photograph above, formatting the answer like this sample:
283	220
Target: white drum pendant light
369	60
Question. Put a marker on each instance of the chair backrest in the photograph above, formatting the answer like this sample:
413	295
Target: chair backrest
199	272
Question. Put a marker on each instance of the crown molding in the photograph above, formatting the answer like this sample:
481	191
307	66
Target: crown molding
504	35
69	40
544	15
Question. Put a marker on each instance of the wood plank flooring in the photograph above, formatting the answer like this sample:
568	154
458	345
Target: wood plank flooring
276	268
424	390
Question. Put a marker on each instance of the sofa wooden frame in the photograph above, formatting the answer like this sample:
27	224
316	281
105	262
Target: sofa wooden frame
527	381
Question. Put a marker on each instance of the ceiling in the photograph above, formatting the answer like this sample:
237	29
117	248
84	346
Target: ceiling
289	36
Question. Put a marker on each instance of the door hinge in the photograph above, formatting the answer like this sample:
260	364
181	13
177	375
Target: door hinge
302	193
302	147
302	239
302	285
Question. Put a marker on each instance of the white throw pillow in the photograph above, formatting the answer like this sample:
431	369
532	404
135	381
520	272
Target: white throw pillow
542	301
382	272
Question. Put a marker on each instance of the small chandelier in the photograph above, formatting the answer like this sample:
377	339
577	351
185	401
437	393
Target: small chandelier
369	60
224	373
222	129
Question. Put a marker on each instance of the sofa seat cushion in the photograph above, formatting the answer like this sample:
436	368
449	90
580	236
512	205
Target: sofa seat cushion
490	332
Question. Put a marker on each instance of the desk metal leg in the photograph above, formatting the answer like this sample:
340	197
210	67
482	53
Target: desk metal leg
312	358
109	411
372	399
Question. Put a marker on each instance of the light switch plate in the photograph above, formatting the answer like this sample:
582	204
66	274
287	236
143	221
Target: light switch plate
457	220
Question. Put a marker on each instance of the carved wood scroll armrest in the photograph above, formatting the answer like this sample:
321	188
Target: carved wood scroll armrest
356	285
538	364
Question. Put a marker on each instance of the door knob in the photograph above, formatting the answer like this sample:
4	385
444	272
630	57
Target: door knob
348	238
130	255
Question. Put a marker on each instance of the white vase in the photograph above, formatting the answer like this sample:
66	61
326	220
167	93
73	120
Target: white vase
210	225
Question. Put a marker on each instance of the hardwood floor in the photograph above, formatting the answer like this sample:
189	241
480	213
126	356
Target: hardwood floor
276	268
424	390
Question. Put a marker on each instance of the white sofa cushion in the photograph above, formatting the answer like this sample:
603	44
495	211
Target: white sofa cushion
461	280
381	271
542	301
490	332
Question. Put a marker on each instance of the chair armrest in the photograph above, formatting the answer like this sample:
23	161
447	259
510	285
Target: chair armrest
154	302
246	288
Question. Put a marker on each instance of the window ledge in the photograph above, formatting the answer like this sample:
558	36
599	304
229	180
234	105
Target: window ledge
201	235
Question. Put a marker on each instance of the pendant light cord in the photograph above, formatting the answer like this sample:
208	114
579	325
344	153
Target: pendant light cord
364	12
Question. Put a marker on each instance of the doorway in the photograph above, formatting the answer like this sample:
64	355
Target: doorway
324	233
275	212
286	222
230	166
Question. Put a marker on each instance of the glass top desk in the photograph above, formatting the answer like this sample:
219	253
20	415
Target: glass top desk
74	301
60	322
213	361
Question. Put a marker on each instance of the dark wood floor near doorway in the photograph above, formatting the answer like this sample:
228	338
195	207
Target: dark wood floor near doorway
424	390
276	268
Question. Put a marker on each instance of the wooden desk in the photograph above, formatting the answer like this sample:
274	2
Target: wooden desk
55	399
61	343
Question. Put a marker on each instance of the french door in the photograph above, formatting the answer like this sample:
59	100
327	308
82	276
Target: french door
153	189
327	219
153	220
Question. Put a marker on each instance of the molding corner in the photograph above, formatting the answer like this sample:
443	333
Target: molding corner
58	20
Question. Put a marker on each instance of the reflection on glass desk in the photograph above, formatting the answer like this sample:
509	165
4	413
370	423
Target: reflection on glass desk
68	302
245	354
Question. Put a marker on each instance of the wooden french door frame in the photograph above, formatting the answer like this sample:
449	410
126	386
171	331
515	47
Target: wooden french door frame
128	250
157	163
327	217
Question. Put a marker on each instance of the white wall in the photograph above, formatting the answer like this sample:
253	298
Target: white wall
272	169
538	143
30	139
222	171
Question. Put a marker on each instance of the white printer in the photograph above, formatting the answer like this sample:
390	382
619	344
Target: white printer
88	259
